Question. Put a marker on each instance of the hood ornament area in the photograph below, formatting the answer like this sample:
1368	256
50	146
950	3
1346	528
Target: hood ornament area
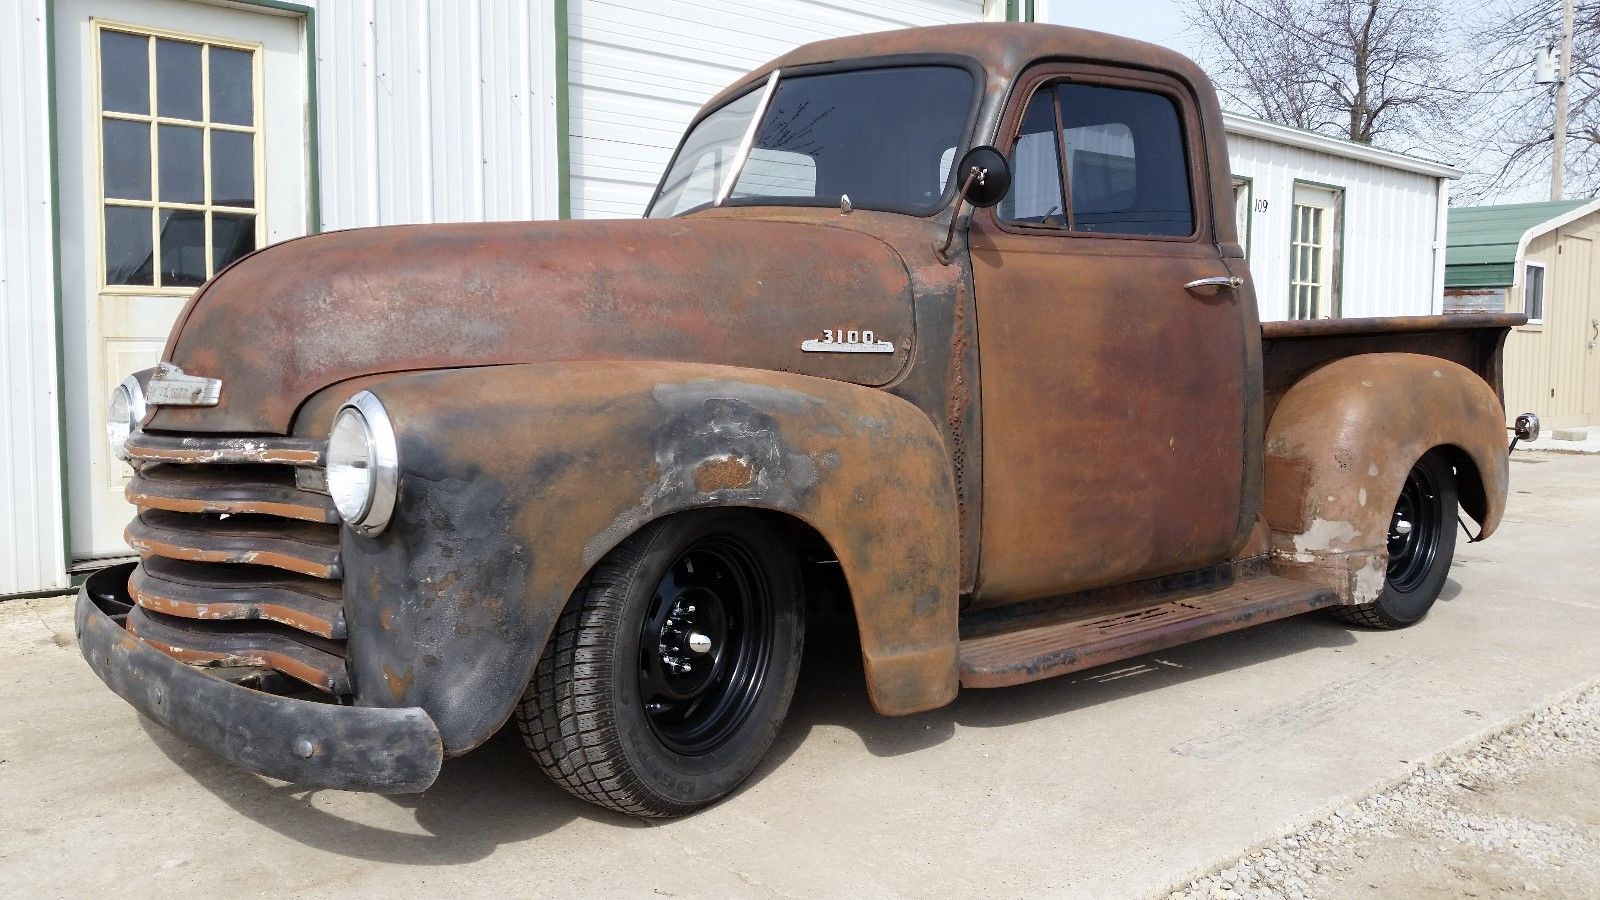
169	385
839	340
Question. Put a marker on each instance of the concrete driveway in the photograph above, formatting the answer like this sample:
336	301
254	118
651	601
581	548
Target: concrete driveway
1118	782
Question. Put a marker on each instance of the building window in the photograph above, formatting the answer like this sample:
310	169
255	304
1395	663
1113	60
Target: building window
1313	251
1533	292
180	156
1243	199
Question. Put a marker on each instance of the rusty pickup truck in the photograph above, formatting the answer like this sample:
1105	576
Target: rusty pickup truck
950	325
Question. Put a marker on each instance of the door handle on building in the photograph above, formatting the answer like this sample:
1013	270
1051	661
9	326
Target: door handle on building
1595	324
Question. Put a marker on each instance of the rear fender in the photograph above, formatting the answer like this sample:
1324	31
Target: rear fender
516	480
1340	445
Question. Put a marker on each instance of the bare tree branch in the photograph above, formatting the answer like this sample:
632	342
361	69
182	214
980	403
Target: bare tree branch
1363	70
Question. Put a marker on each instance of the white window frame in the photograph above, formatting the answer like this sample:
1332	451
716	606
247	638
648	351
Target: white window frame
255	129
1326	300
1544	290
1249	221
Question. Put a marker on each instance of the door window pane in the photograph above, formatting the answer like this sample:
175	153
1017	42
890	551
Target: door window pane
161	229
232	88
233	168
183	247
1127	170
128	258
126	147
182	172
125	72
1035	196
232	236
178	79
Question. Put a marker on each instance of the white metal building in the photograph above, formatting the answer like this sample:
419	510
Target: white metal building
151	141
1335	228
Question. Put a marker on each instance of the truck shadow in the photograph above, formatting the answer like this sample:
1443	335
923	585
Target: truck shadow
832	688
496	796
490	797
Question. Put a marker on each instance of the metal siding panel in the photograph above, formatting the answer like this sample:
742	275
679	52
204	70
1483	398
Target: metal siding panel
640	69
456	90
347	115
402	111
32	552
506	171
437	111
1388	258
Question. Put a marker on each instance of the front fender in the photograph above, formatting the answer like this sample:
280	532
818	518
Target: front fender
1340	445
516	480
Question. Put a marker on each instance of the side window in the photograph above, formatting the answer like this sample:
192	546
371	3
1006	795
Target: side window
1127	172
1533	292
1035	197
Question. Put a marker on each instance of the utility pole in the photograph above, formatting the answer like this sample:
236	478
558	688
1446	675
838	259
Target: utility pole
1558	154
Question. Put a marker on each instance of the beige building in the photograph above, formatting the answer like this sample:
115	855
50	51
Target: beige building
1542	259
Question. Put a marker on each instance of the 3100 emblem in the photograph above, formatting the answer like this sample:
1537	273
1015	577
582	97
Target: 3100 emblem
841	340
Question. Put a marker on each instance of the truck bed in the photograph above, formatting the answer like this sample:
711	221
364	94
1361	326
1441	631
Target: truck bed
1291	349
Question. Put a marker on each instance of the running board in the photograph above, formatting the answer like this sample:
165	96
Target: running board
1096	634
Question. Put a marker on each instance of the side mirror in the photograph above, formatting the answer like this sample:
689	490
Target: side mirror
984	176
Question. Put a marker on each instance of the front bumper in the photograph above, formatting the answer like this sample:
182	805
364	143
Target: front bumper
357	748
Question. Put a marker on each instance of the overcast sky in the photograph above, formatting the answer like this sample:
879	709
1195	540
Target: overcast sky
1162	22
1156	21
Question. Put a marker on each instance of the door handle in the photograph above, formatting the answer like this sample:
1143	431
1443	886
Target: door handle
1219	281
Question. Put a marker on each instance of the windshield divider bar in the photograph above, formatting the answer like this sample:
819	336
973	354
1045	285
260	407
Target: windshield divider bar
749	140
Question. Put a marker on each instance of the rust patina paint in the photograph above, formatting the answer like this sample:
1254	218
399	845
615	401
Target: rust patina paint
1345	437
299	316
551	465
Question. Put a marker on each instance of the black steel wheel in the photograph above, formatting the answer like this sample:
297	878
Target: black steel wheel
1421	545
672	666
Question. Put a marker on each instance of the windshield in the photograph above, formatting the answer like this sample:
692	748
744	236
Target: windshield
887	138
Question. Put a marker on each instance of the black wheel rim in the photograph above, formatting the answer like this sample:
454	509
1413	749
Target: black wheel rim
1415	531
704	646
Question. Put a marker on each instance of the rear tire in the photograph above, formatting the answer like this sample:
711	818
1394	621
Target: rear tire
1422	543
672	666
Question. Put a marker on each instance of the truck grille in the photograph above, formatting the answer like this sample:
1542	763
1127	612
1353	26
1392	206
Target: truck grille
239	567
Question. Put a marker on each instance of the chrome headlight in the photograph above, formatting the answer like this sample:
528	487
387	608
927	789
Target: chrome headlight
363	464
125	415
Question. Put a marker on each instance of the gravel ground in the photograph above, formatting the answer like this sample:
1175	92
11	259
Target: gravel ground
1517	814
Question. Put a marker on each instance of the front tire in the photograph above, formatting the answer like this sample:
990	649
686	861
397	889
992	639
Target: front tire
1422	544
672	666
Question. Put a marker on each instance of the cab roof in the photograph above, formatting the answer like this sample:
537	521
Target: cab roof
1002	49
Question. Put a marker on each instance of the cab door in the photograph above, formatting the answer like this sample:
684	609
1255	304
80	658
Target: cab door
1114	395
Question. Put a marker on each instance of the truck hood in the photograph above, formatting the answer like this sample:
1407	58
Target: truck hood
297	317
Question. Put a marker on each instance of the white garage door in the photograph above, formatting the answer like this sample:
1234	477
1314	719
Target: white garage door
641	68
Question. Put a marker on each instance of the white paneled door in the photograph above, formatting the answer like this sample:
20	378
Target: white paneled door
182	142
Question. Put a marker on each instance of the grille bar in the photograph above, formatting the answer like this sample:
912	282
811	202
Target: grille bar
146	447
235	489
214	643
309	549
239	593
